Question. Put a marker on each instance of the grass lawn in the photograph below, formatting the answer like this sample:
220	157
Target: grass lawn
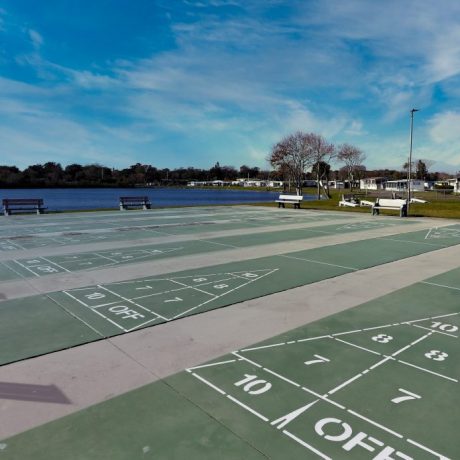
447	206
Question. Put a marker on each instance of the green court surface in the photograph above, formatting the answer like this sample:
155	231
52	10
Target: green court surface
121	307
50	231
379	381
42	266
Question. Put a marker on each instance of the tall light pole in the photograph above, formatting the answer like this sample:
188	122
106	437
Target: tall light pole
409	169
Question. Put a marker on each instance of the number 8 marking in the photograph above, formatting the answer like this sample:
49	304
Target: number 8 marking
436	355
382	338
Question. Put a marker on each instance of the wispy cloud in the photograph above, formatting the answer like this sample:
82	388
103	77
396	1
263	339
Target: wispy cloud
36	39
235	76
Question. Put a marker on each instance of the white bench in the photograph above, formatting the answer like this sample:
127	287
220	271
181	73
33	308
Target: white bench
349	200
386	203
289	199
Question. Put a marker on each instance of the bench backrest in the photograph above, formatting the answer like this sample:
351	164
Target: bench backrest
389	202
291	197
22	201
134	198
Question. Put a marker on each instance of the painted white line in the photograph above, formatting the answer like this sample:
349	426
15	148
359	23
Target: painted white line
396	353
225	293
108	258
427	370
377	327
379	363
57	265
417	320
109	320
375	423
209	384
318	262
94	307
445	316
213	364
220	244
76	316
349	332
12	269
192	287
426	449
412	242
20	246
315	338
131	301
281	377
75	298
246	359
440	285
434	330
138	326
306	445
325	398
344	384
314	393
264	346
357	346
26	268
429	232
249	409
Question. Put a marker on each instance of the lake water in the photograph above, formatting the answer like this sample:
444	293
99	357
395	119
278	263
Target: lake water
57	199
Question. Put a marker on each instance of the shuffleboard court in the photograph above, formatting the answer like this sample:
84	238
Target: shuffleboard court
17	238
379	381
115	308
42	266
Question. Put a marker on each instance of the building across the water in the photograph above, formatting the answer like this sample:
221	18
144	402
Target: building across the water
400	185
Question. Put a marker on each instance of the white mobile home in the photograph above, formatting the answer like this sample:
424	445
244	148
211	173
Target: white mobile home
455	182
372	183
401	185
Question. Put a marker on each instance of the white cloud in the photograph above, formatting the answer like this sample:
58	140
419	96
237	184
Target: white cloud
444	128
36	39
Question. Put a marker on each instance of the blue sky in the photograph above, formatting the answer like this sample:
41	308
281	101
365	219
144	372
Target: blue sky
190	82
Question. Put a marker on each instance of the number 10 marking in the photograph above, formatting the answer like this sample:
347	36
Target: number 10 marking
249	383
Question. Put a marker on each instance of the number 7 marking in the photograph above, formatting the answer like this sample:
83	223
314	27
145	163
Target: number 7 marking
320	359
409	396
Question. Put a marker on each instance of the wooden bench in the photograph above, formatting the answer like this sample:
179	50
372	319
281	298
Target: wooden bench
289	199
23	204
387	203
127	202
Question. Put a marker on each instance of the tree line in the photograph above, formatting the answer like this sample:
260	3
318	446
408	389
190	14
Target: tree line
52	174
295	158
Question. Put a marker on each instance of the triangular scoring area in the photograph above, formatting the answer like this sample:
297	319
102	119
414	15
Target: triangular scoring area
178	296
438	233
211	290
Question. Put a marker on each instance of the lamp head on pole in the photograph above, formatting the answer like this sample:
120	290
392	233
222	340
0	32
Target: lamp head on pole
414	110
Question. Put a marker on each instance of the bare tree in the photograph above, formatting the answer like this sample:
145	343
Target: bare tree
353	157
299	152
321	151
292	155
